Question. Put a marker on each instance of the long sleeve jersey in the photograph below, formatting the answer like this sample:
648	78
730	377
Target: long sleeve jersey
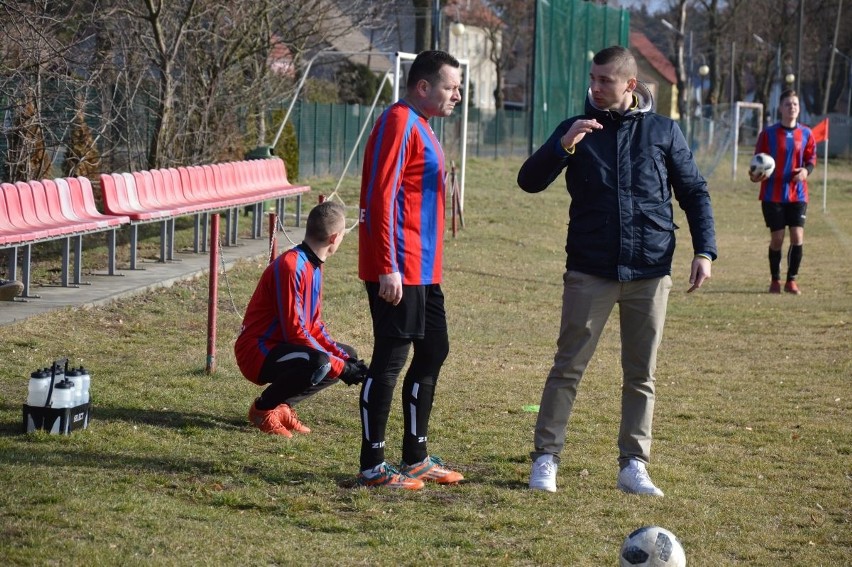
401	221
286	307
792	148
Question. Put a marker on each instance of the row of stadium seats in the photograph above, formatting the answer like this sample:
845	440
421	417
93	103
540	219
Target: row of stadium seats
53	209
162	195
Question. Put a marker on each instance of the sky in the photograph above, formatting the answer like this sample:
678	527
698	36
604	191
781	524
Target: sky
653	5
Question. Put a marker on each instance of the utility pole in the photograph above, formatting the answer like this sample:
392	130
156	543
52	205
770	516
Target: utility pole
436	24
799	46
831	60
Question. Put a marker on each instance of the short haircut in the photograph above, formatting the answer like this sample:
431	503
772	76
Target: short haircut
625	63
427	66
787	94
324	220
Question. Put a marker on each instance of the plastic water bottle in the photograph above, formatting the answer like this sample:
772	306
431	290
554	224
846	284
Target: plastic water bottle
75	376
58	373
63	394
38	388
86	378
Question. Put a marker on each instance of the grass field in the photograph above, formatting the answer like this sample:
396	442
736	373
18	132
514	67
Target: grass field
752	431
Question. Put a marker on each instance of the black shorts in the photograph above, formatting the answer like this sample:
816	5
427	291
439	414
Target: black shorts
421	310
780	215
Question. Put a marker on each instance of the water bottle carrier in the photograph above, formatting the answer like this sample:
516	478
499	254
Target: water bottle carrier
57	420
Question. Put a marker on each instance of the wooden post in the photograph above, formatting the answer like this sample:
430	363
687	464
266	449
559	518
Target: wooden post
213	294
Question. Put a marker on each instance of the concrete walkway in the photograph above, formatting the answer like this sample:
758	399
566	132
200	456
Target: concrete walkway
102	289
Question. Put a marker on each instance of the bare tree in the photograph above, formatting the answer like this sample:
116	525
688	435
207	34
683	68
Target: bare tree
760	66
508	27
159	82
39	81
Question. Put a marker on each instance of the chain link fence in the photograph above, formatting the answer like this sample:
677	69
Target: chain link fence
328	134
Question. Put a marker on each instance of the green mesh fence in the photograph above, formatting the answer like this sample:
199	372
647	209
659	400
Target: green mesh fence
327	134
568	33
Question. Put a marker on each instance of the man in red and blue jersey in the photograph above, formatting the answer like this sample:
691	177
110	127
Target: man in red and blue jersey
401	227
283	341
784	193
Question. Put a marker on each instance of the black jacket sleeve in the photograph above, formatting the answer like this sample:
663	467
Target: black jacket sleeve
544	166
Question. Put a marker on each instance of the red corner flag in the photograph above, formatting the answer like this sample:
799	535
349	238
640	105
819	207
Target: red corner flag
820	131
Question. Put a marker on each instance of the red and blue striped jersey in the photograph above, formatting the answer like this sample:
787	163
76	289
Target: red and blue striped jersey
286	307
401	221
791	148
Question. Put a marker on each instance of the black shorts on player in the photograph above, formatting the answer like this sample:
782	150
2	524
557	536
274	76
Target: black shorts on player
781	215
421	310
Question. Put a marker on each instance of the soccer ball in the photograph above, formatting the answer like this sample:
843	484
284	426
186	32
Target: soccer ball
762	163
652	546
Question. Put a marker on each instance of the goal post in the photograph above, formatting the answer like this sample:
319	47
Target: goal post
736	128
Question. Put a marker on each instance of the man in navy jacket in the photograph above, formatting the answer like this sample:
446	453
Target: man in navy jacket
623	164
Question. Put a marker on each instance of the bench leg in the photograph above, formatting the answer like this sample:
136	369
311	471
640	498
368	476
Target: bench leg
66	254
111	248
235	228
78	260
12	263
25	272
134	238
196	234
67	278
12	273
205	221
164	228
228	219
171	244
257	228
298	210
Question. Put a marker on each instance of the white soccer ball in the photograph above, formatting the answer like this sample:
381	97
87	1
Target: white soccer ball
762	163
652	546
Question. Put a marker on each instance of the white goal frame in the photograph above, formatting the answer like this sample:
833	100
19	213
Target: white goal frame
736	126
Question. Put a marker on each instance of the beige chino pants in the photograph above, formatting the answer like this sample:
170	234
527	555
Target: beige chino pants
587	303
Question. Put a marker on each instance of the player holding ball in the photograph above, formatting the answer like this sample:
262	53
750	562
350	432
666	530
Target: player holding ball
784	192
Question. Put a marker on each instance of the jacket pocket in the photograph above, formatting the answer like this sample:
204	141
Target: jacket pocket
592	241
657	234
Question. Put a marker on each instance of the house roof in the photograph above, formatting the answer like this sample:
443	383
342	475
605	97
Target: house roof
354	44
640	43
472	12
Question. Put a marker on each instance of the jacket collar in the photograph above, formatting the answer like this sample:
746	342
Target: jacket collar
643	102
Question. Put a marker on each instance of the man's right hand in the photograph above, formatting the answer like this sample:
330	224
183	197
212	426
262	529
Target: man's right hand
390	287
757	177
354	371
578	131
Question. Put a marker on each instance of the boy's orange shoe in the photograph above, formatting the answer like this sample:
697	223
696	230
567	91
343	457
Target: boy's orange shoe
775	286
289	419
390	478
791	287
432	468
267	421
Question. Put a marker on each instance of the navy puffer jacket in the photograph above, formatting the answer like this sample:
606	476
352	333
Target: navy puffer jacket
621	180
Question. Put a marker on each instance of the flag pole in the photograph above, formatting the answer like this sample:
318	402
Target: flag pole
825	177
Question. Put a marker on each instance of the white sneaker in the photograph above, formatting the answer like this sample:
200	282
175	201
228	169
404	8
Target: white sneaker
543	475
634	479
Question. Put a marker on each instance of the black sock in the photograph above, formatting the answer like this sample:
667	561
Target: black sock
794	260
375	402
417	400
775	264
